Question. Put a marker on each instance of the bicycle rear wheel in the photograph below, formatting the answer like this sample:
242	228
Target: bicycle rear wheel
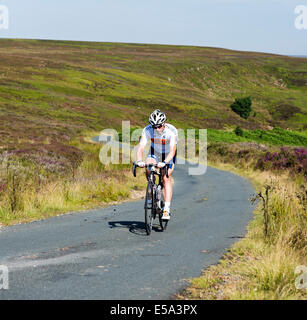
149	209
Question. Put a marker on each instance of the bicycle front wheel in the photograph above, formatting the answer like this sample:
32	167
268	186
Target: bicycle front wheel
149	208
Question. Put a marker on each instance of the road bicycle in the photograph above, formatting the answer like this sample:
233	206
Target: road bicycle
154	201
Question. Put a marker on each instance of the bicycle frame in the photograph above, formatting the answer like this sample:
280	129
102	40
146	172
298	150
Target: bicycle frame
155	204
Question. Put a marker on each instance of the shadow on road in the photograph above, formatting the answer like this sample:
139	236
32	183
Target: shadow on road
135	227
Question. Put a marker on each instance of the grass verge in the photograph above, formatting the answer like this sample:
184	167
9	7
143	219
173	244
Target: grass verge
51	185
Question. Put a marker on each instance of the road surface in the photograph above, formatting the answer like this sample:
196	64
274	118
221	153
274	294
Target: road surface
106	254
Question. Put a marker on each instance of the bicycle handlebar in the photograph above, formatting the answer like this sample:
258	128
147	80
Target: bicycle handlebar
149	165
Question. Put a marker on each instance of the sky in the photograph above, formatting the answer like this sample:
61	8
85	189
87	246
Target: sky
249	25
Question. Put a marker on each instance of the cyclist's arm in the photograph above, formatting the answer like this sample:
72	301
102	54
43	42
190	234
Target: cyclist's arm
141	147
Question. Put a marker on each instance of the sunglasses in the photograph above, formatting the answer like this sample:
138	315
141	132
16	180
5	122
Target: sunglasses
158	126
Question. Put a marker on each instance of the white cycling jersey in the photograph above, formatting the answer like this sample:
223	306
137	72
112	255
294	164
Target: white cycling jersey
160	142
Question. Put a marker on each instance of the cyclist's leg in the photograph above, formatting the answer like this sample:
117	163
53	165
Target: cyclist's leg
168	187
151	159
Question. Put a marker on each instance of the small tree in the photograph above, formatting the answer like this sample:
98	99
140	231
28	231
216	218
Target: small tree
239	131
242	106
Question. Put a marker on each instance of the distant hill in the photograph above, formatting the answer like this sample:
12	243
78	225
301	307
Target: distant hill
54	90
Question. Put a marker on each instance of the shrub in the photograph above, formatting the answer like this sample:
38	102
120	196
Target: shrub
287	158
242	106
239	131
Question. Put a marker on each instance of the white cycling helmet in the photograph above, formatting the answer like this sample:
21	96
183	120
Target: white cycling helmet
157	118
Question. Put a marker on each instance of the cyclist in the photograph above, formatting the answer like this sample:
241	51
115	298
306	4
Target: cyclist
163	150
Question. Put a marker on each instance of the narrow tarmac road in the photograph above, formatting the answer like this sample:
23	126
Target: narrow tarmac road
106	254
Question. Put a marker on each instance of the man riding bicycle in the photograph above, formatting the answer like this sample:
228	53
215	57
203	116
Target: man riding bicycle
163	150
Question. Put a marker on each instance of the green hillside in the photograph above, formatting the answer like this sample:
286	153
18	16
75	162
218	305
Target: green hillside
51	91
